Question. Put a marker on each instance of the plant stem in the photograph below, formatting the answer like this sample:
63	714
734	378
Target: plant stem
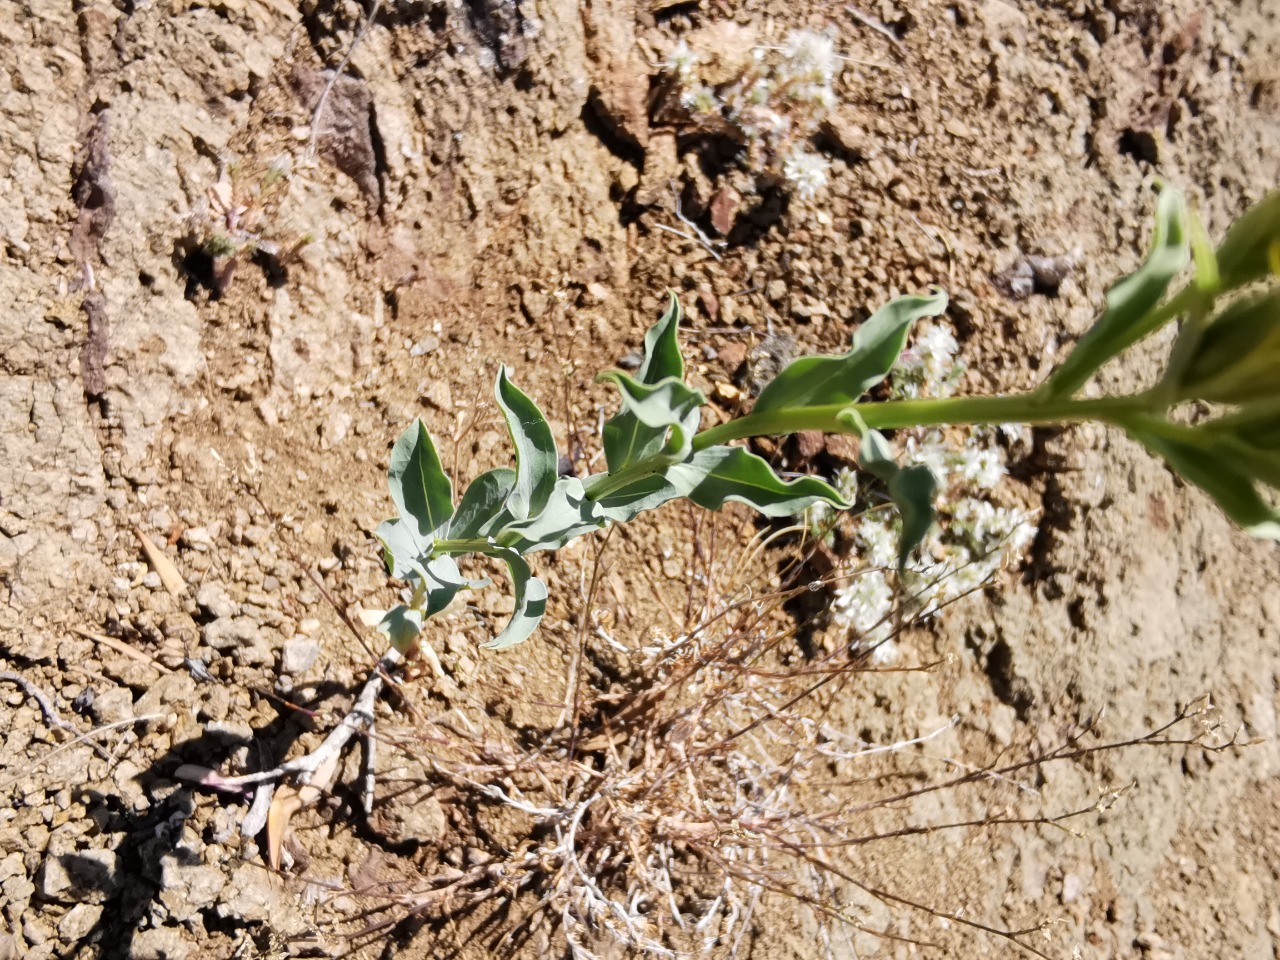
1028	408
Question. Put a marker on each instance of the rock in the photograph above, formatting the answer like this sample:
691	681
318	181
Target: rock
251	895
212	596
112	705
298	655
228	633
52	878
188	887
79	921
159	943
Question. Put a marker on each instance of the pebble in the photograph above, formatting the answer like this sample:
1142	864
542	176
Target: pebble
298	655
212	596
159	943
79	921
112	705
228	633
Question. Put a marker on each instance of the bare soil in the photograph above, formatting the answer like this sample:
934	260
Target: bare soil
490	188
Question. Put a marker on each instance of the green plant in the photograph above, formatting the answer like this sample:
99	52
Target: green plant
656	453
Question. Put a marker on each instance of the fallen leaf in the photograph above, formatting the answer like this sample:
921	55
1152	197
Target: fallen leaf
288	801
162	565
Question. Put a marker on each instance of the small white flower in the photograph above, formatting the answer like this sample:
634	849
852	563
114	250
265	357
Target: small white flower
700	99
878	540
810	54
806	172
982	467
863	606
932	453
681	60
847	483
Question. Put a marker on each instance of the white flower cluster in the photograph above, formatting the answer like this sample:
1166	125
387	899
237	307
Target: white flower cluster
928	368
973	537
772	105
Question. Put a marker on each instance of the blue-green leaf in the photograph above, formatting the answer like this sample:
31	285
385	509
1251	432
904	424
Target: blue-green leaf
402	625
713	477
536	459
1131	302
567	514
419	486
481	510
646	493
662	356
1193	455
531	602
1251	249
826	380
627	439
912	489
664	416
403	548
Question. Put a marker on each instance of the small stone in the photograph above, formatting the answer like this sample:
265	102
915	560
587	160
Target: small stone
1072	887
250	895
439	396
775	291
186	887
309	626
79	920
159	943
112	705
228	633
336	427
212	597
727	393
298	655
255	535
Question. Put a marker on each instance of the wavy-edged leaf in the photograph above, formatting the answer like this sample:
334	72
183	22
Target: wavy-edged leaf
664	418
828	380
402	625
662	356
536	459
646	493
912	489
403	548
568	514
627	439
1251	248
712	477
531	602
480	511
419	486
1129	301
1194	456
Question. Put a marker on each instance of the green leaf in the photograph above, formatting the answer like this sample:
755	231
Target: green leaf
646	493
1131	302
481	509
662	356
827	380
627	439
712	477
419	485
568	514
537	462
402	547
402	625
912	489
531	602
1237	358
441	583
1193	456
1251	249
661	418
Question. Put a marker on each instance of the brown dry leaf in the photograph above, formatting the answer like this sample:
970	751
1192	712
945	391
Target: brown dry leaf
162	565
289	800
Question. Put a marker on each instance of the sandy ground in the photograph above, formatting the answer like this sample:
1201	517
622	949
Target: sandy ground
491	191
